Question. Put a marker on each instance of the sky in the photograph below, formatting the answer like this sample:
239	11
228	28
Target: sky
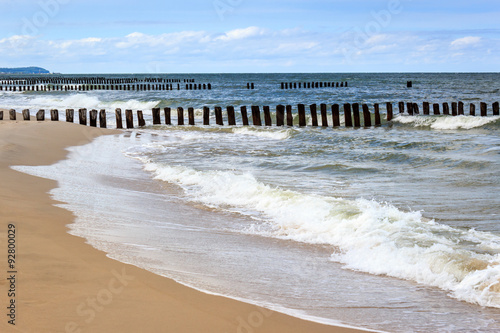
251	36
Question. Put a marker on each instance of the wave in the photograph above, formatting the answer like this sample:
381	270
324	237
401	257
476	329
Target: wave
366	235
282	134
447	122
76	101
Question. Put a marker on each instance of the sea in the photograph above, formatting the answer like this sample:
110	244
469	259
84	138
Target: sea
394	228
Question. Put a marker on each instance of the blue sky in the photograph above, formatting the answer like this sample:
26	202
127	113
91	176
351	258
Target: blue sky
90	36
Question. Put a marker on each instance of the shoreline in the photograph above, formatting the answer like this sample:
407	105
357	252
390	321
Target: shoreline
64	284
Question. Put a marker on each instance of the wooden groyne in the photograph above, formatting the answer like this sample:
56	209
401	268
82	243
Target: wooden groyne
355	115
312	85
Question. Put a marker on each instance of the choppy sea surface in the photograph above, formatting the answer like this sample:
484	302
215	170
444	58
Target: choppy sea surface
393	228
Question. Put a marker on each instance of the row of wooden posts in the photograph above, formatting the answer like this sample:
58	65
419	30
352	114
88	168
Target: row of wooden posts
90	87
308	85
31	81
284	115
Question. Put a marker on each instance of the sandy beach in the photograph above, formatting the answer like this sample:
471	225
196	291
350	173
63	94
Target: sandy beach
63	284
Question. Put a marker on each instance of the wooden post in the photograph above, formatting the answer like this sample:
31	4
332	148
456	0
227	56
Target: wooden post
140	118
218	116
302	115
54	115
1	114
280	115
40	115
324	115
26	114
256	115
156	116
347	115
367	118
446	109
401	106
435	108
496	111
82	113
409	84
102	119
409	107
180	116
336	115
231	117
244	115
426	108
484	109
415	109
390	112
93	118
472	109
355	114
129	118
454	108
460	108
206	115
12	114
289	116
118	115
314	114
267	116
70	114
168	120
191	116
378	121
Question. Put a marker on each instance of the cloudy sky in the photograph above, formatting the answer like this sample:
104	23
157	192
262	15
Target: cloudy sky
210	36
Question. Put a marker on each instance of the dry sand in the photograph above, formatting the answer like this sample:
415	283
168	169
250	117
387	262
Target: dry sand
63	284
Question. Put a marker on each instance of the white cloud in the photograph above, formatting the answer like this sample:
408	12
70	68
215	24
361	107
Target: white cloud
241	34
466	41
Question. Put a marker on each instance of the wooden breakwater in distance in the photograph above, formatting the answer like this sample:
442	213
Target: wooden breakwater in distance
98	83
312	85
355	115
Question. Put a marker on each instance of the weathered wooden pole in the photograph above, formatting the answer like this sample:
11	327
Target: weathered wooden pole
356	115
302	115
54	115
367	118
280	115
180	116
426	108
191	116
496	111
140	118
256	115
40	115
12	114
416	109
289	116
314	115
156	116
336	115
218	116
435	108
70	114
82	113
401	106
472	109
347	115
231	116
484	109
129	118
168	119
267	116
118	115
378	121
244	115
454	109
206	115
26	114
102	119
324	115
446	109
390	112
1	115
409	107
460	108
93	118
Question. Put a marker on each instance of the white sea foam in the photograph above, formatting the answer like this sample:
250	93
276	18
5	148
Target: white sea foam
366	235
282	134
446	122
